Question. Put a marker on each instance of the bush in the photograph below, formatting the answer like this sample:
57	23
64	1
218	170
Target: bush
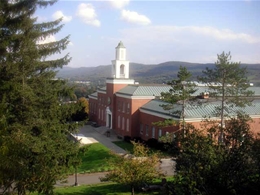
152	143
127	138
137	139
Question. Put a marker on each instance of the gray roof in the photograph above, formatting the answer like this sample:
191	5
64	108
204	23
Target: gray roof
103	89
94	94
144	90
155	90
198	110
120	45
201	89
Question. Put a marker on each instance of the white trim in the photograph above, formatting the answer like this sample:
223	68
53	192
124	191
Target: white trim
93	97
165	116
255	116
156	114
100	91
120	81
135	97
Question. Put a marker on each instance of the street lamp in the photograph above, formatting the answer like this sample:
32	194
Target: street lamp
76	177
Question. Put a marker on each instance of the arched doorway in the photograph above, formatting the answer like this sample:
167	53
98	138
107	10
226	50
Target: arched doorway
108	118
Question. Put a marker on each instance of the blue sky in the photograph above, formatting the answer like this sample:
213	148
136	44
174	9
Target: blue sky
157	31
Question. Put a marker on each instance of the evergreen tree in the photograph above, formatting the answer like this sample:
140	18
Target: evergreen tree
180	94
228	82
35	150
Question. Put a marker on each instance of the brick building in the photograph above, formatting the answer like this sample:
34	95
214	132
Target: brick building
131	108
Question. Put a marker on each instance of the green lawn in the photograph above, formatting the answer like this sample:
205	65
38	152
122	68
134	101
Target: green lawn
125	145
129	147
99	189
96	159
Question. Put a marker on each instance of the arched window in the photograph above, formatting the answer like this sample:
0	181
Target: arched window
122	70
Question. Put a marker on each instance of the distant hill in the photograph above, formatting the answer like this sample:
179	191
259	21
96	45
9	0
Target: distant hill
145	73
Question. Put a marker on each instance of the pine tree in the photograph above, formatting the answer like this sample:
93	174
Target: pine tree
36	150
181	93
228	82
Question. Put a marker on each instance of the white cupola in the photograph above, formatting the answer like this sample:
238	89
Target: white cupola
120	66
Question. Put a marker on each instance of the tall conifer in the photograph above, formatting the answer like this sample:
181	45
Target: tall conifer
34	149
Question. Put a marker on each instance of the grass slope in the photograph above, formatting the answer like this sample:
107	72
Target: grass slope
99	189
96	159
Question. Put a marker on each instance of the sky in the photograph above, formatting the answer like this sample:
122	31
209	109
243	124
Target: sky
157	31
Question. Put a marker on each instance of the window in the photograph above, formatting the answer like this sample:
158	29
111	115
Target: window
102	115
146	130
127	124
160	133
123	109
123	123
119	105
153	132
122	69
99	113
141	128
128	108
118	121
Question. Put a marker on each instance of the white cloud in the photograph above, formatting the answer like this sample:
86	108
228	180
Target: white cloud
189	43
185	33
88	14
134	17
59	14
119	4
48	39
223	34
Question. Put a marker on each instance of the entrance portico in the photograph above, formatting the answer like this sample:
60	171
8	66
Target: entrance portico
108	118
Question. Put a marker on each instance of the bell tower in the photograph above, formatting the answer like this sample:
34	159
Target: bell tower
118	80
120	66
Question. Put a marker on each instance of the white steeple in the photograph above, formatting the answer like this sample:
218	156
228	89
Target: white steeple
120	66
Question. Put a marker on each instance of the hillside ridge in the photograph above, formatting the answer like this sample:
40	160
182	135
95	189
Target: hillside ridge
147	73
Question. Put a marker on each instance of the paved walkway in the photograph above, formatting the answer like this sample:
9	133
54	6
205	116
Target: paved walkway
99	134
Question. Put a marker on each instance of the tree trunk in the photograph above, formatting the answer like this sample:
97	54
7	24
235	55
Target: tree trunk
222	112
132	190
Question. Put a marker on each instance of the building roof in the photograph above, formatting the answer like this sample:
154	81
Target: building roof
156	90
120	45
144	90
94	95
196	110
206	89
102	89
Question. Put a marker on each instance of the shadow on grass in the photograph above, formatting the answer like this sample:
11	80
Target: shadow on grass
100	189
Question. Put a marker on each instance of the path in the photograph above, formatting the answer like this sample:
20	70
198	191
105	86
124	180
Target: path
99	134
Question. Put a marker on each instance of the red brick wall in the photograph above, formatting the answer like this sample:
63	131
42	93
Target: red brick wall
255	126
147	119
93	107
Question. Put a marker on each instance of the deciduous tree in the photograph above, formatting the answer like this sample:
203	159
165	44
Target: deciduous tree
135	170
204	167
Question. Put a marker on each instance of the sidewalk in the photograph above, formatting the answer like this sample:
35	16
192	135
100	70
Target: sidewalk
99	134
